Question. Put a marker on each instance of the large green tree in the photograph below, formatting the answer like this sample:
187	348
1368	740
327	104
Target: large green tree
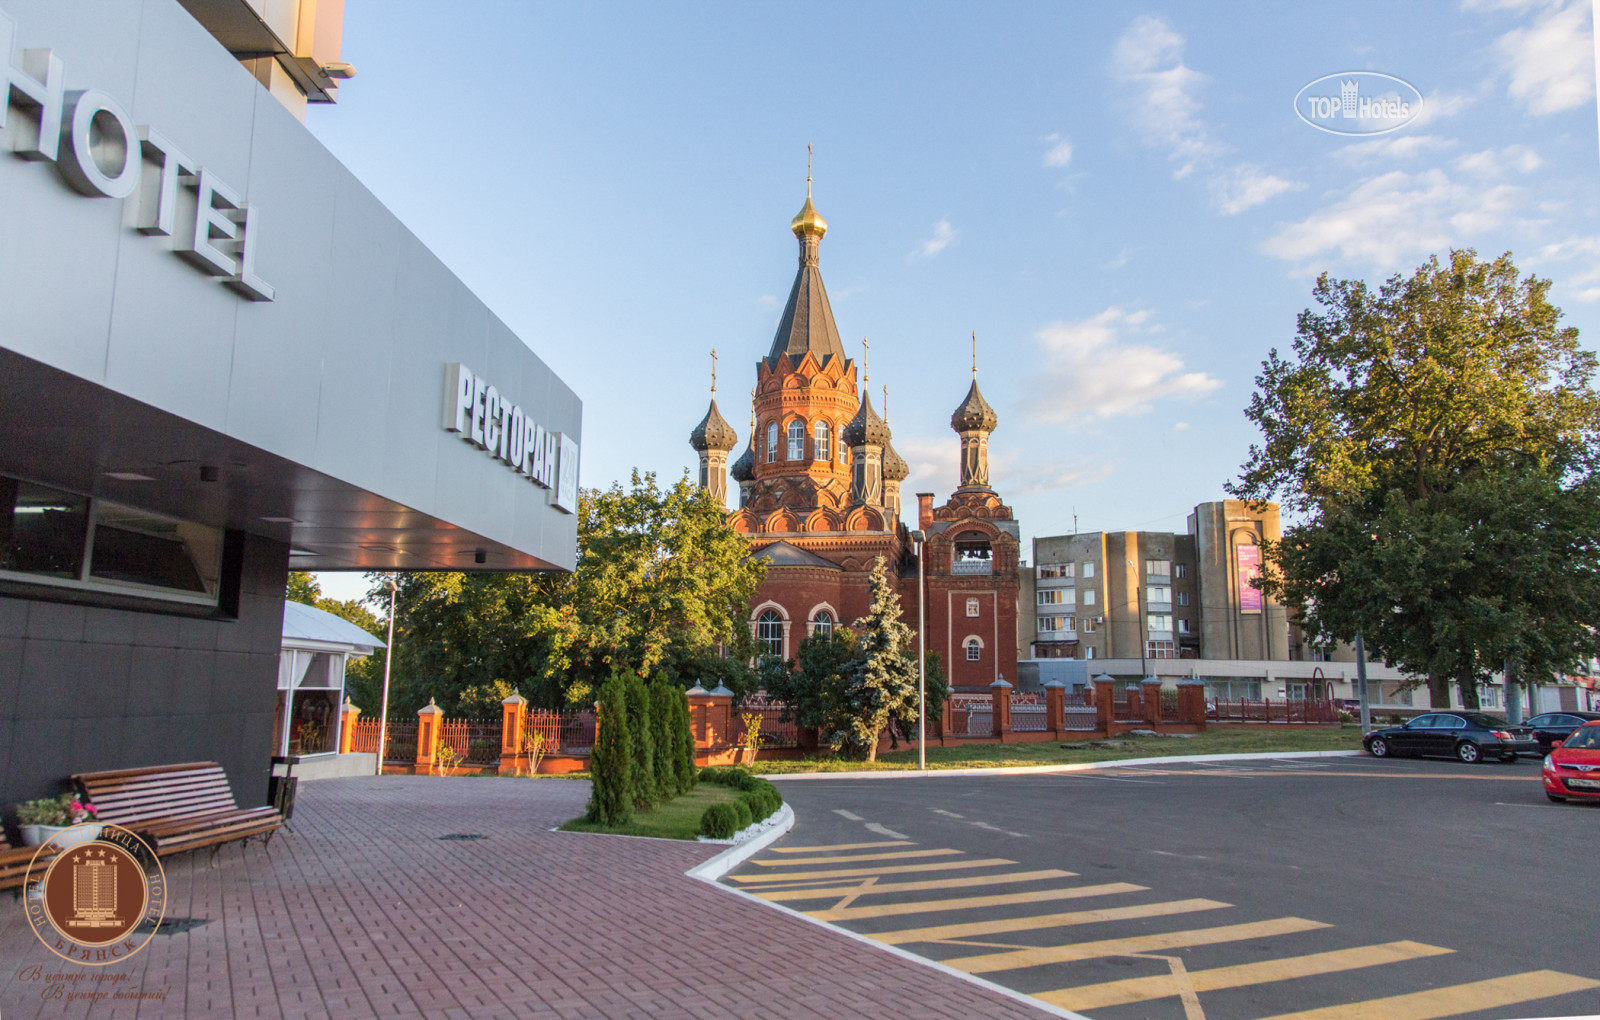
363	677
1434	441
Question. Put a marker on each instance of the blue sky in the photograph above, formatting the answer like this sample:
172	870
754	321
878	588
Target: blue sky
1118	198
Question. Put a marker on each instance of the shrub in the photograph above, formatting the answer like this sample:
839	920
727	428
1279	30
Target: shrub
746	816
719	821
1346	717
639	727
762	804
663	726
709	774
685	732
611	762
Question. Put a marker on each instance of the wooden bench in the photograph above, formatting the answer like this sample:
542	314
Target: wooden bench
14	861
176	807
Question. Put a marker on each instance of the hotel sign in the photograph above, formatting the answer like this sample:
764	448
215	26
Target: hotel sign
100	151
476	410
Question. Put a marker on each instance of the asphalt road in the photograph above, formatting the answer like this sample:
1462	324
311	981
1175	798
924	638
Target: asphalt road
1334	887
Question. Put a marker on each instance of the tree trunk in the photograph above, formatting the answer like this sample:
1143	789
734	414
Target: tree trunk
872	748
1469	687
1438	690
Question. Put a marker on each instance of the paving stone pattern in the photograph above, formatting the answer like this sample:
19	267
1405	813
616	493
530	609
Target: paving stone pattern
362	911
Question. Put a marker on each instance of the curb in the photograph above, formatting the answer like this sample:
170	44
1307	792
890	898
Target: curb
721	864
1034	770
713	870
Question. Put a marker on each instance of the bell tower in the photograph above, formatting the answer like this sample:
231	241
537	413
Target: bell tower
973	421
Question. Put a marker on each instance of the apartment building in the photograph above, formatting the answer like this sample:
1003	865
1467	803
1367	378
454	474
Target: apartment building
1156	594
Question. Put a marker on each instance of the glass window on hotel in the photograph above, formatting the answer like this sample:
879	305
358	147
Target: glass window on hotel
135	547
1056	569
42	530
1088	569
1088	597
1057	597
1179	570
1158	593
1158	566
1159	621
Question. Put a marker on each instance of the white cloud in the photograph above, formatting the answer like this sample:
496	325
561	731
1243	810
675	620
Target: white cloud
1440	105
1585	277
943	236
1551	61
1180	426
1095	368
936	467
1165	112
1247	185
1495	162
1060	153
1391	219
1392	147
1121	258
769	301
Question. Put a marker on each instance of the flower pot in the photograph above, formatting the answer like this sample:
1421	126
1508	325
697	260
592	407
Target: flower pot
39	835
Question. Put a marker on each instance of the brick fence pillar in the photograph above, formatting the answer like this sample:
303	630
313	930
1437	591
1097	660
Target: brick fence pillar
1103	698
719	732
1055	706
699	712
1192	702
1152	700
1135	703
1000	707
348	714
947	720
429	720
513	732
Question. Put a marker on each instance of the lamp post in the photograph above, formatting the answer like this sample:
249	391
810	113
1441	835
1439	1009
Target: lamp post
388	663
919	537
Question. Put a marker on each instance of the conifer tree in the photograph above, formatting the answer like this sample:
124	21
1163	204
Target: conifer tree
640	729
611	762
882	683
663	726
688	775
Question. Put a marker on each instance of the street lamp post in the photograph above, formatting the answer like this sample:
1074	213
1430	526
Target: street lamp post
919	537
388	663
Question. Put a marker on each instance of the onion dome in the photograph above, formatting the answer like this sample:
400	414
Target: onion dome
808	220
974	414
713	432
744	469
866	428
895	468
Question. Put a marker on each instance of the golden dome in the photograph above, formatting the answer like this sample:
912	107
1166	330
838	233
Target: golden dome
808	220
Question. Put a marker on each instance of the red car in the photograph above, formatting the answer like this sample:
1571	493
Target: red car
1572	768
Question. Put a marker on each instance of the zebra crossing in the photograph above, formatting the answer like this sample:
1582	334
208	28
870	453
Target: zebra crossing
1035	930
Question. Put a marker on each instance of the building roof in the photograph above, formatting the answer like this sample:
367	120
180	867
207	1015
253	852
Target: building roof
974	414
744	469
713	432
806	324
782	554
895	468
308	623
866	427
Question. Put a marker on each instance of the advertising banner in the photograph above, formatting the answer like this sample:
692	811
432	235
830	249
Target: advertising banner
1248	558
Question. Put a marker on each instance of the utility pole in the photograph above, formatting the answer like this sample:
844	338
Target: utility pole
919	537
1361	685
388	662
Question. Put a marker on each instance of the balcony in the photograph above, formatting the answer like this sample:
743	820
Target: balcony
972	566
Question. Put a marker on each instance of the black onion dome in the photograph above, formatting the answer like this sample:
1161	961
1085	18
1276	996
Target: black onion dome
866	428
895	468
713	432
744	469
974	414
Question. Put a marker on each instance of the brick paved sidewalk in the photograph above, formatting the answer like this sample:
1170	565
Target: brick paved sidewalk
363	912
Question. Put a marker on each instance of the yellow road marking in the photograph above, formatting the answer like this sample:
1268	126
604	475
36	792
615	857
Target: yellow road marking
1495	993
961	931
841	846
891	856
1116	993
972	902
984	963
829	892
896	869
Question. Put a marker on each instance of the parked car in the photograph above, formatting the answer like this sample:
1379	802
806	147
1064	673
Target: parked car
1469	736
1572	768
1553	726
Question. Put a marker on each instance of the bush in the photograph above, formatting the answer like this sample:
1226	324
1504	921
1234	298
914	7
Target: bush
663	727
1346	717
709	774
639	728
746	816
611	763
762	804
719	821
685	731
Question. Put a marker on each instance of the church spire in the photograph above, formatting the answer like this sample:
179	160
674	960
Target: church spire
712	439
973	421
806	324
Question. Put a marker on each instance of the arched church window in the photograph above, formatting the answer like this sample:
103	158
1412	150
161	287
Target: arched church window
823	442
797	440
822	623
974	649
769	632
772	441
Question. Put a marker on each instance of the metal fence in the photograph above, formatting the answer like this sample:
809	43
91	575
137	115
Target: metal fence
1028	719
1289	712
474	741
1082	719
565	732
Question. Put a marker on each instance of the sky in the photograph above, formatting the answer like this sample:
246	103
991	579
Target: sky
1119	199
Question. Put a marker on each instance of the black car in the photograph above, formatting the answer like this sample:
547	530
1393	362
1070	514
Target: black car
1470	736
1553	726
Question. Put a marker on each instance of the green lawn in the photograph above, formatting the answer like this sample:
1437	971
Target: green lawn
678	818
1216	740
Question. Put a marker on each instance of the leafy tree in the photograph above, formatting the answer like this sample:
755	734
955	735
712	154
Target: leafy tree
807	685
303	588
363	677
882	683
1415	432
642	730
611	763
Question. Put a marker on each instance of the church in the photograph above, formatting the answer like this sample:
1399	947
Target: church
819	498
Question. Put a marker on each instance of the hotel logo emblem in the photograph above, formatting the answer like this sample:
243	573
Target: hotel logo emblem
1358	103
95	894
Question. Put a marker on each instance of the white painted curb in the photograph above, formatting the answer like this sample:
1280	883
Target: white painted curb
713	870
1034	770
735	855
